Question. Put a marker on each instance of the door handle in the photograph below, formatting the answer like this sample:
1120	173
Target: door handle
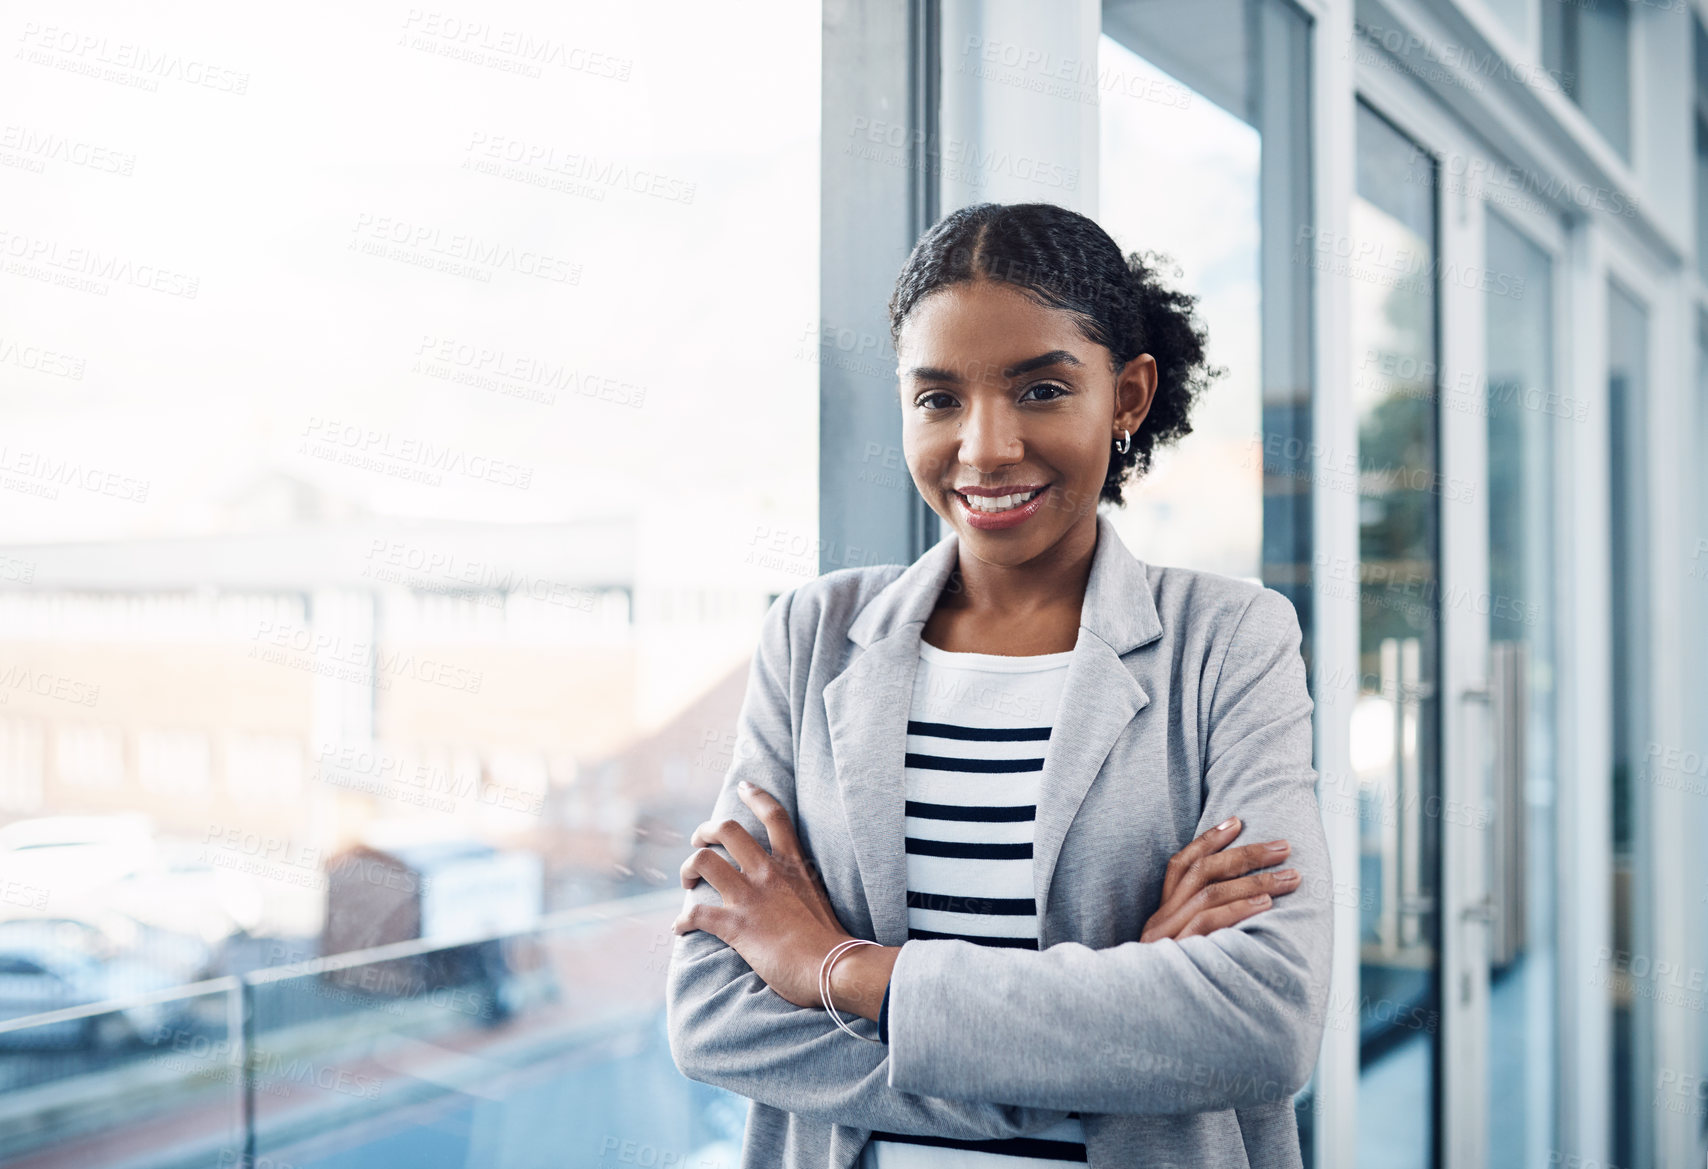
1483	909
1503	696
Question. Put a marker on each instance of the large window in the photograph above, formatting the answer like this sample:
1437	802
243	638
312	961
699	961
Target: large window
1230	130
409	414
1208	225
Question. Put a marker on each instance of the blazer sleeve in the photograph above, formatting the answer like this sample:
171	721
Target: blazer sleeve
1225	1020
728	1028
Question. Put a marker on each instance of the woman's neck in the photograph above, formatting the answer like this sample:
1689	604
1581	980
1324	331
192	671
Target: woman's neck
1026	609
1048	581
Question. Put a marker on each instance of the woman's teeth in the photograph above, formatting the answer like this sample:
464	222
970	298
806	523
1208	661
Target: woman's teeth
997	503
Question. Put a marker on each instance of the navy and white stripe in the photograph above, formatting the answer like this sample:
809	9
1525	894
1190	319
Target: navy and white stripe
977	734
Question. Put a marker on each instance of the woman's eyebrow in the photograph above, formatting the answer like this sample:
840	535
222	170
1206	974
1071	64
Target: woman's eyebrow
1053	357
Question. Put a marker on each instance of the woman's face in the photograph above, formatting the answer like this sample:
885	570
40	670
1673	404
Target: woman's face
1002	396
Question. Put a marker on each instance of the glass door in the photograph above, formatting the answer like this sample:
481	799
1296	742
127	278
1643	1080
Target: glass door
1523	414
1632	933
1453	293
1396	723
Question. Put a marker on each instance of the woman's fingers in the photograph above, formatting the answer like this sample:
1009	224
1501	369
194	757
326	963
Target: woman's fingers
774	817
711	918
747	852
1221	893
1237	862
1230	863
1224	916
705	862
1200	849
1174	918
1207	888
734	836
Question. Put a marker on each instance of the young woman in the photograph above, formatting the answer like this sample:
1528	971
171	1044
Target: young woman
1029	794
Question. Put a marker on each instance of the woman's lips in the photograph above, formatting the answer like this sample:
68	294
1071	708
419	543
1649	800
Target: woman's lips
993	521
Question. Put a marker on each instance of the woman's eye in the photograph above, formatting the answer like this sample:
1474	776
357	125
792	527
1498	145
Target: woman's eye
1055	392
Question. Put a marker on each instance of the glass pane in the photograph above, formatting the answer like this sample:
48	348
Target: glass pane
1233	128
1697	592
153	1082
1209	226
1523	1047
1701	161
1588	47
1395	724
420	417
1515	15
1699	53
1627	389
530	1050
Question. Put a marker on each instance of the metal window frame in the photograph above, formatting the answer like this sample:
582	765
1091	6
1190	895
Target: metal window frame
881	83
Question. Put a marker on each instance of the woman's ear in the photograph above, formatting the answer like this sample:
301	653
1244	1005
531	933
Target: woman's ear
1135	389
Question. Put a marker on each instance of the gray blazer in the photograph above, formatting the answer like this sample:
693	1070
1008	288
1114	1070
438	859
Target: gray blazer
1184	703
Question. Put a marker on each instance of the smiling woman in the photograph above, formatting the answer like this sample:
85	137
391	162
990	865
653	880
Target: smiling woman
1039	371
1119	325
1044	782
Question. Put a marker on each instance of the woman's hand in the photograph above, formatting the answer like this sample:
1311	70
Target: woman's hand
1206	889
775	912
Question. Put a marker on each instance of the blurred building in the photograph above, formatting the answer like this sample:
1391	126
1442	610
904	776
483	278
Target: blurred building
274	694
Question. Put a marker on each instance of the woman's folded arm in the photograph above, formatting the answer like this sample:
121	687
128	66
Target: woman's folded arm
729	1029
1224	1020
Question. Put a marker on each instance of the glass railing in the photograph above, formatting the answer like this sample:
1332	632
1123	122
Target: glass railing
545	1047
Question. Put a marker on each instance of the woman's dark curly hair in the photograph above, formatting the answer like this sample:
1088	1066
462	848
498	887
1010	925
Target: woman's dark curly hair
1061	259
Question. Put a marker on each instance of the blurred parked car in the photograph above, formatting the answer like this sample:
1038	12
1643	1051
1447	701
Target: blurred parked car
65	854
52	964
186	894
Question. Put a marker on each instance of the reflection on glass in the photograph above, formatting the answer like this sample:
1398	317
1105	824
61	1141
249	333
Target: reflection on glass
1514	14
1698	591
426	420
1209	228
1699	42
1586	48
1233	131
1701	158
1523	1051
75	1088
1627	387
1395	722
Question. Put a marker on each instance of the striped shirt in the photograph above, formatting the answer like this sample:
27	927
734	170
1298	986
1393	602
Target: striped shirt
976	737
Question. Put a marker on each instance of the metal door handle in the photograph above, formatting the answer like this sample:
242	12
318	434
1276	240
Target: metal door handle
1483	909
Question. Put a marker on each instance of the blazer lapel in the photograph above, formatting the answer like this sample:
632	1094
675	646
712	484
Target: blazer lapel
867	707
1099	698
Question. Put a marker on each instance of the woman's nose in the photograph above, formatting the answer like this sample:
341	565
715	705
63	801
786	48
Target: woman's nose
990	437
